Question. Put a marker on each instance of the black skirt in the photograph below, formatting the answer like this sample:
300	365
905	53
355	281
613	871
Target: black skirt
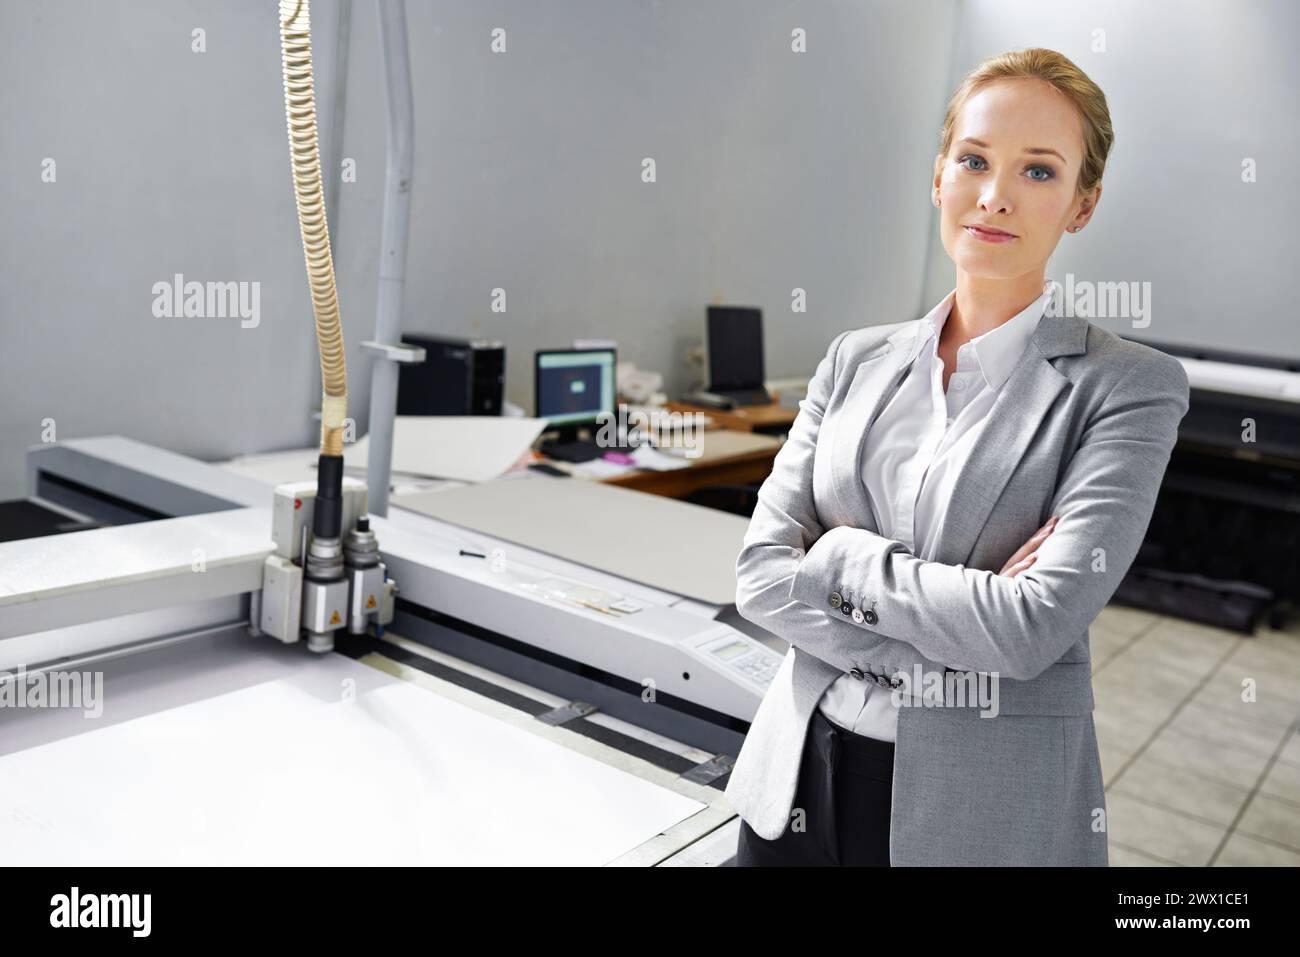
841	804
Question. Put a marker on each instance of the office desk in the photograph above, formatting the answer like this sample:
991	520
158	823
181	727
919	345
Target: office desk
770	418
727	458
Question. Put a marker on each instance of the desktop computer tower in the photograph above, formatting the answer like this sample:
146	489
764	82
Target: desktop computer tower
458	377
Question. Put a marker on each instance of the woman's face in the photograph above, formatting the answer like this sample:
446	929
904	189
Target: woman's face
1013	165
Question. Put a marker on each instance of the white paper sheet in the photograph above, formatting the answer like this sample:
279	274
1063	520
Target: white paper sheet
469	448
299	465
293	770
597	469
647	457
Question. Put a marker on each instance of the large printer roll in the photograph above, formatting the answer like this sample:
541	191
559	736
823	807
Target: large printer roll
1221	546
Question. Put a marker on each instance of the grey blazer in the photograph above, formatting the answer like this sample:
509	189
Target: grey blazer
1083	428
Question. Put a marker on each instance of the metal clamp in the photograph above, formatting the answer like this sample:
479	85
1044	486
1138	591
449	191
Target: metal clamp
710	770
566	713
408	355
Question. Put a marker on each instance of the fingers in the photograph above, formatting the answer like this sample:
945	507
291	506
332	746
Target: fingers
1034	541
1041	535
1025	554
1011	571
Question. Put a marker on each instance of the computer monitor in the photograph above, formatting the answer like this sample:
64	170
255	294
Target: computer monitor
735	348
572	387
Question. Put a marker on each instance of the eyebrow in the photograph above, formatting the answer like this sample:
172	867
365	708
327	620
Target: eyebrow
1033	150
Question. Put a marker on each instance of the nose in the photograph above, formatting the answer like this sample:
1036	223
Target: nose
995	197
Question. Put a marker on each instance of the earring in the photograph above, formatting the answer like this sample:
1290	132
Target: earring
937	202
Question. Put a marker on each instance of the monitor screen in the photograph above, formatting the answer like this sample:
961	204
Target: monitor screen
574	386
735	347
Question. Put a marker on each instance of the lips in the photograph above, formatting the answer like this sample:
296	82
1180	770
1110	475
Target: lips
990	235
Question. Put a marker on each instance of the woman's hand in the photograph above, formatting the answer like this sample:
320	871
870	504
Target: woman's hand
1023	558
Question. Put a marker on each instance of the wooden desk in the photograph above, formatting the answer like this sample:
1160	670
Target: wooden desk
727	458
772	417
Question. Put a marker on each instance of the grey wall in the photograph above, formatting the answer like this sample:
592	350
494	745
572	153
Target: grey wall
167	161
775	170
1194	86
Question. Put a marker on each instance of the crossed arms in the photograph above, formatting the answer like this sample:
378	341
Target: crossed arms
930	612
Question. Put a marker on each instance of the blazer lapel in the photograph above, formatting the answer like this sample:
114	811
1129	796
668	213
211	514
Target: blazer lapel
874	381
1022	403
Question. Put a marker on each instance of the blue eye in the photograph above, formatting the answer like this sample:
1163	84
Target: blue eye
1051	174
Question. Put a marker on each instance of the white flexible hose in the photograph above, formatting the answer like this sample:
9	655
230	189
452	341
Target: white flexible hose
300	111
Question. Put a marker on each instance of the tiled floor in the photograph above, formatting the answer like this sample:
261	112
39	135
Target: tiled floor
1196	775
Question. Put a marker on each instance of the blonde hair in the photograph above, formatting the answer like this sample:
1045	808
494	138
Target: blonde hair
1066	78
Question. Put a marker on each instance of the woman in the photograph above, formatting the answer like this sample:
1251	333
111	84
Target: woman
958	498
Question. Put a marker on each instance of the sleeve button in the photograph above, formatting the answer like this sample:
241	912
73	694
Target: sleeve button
836	600
871	617
858	616
846	609
857	673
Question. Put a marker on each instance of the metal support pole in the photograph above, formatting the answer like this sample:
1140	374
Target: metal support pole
386	347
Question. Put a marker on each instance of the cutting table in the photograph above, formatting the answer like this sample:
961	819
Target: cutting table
505	716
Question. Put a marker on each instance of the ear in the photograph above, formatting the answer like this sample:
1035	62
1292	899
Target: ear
1087	206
